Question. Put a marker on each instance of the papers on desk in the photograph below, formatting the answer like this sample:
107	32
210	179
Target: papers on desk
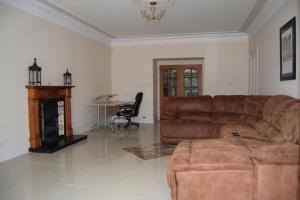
104	98
110	103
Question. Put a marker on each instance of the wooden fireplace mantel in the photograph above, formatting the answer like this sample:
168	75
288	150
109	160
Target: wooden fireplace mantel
37	93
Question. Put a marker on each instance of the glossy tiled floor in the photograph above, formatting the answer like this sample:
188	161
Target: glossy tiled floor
94	169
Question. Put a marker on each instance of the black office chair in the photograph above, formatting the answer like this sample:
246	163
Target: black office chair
127	111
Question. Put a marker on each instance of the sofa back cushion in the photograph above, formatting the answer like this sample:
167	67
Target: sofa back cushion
283	112
290	122
254	105
190	104
233	104
273	108
226	118
253	109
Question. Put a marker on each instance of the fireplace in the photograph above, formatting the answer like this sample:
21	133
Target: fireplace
52	121
49	110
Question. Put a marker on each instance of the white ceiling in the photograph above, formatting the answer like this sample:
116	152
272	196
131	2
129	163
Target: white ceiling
121	18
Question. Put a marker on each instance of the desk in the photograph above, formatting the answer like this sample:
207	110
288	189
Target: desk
105	105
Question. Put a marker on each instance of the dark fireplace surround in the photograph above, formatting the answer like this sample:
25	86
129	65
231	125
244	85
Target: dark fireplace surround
49	109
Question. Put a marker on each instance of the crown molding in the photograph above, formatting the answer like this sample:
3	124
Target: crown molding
69	13
256	9
266	12
179	39
53	15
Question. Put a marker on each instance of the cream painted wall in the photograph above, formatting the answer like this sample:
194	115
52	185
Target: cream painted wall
267	41
23	37
225	69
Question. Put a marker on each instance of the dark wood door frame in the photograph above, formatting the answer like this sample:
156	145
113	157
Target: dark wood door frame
180	81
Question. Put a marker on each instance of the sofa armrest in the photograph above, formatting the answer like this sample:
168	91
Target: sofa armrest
168	116
277	154
276	181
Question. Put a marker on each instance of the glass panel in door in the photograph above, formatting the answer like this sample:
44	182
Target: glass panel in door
191	82
170	83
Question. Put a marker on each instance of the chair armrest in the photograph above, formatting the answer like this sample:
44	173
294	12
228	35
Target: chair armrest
277	154
168	116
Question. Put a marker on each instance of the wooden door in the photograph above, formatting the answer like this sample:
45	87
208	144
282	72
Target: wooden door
179	81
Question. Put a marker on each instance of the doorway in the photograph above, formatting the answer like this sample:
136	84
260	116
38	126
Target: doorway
179	81
253	73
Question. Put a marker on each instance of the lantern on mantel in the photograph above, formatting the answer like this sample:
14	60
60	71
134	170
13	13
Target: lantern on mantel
35	74
67	78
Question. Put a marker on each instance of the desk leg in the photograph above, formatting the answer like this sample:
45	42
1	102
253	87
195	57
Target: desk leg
98	122
105	116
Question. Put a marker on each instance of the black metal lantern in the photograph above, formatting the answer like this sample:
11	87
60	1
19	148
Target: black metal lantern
67	78
35	74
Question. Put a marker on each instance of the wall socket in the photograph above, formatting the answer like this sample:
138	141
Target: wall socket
141	118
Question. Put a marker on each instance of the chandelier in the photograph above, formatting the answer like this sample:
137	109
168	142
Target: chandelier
153	10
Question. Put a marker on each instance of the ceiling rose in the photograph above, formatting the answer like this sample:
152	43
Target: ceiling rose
153	10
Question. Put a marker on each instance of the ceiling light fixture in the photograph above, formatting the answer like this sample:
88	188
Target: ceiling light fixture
153	10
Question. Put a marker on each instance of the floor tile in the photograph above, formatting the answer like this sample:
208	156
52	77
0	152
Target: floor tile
26	171
97	168
80	193
29	190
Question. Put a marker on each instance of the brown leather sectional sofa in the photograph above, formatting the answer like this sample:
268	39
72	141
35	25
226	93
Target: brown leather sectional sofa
233	147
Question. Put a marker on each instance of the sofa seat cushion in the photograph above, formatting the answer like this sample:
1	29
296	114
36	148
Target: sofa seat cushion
212	154
227	118
241	131
251	144
202	116
188	129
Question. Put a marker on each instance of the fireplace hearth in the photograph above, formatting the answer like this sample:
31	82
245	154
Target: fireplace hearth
49	109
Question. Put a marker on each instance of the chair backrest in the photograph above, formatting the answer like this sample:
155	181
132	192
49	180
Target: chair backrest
137	104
